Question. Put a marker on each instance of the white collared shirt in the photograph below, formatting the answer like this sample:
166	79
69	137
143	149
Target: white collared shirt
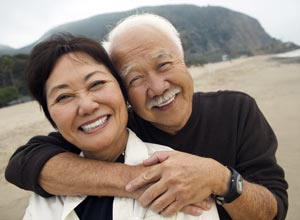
63	207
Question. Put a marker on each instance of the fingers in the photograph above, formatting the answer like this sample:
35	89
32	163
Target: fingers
161	202
195	209
166	204
157	157
151	175
143	180
192	210
172	209
172	181
205	205
156	190
154	159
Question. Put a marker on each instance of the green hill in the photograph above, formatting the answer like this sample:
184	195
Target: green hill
207	32
208	35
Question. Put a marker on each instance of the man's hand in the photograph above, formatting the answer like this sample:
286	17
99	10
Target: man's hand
178	180
196	209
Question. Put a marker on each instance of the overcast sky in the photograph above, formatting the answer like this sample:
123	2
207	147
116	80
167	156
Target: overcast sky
24	21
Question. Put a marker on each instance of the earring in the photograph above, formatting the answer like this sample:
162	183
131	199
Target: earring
128	105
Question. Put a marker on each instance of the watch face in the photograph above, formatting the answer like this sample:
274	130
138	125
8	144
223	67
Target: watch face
239	184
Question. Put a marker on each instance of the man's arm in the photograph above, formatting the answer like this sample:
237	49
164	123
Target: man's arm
25	165
254	197
195	179
70	174
184	179
50	165
47	166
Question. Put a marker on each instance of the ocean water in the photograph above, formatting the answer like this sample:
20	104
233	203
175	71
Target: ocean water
290	54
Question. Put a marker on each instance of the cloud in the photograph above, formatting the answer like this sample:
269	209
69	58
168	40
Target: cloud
23	22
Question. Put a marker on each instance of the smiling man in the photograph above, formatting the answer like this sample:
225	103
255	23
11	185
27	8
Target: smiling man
229	146
154	68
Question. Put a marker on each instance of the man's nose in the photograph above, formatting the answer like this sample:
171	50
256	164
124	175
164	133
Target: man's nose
157	85
87	105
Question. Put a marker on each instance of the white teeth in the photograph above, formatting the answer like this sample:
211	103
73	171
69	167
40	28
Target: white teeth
165	102
94	125
164	99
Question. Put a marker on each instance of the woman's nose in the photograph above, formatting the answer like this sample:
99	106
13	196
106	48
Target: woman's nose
87	106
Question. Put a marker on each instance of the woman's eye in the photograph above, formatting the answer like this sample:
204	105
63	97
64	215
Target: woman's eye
62	98
96	84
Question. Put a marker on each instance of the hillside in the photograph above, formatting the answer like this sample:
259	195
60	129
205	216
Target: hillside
207	32
6	50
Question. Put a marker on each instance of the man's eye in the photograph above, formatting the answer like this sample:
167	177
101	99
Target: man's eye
135	81
164	66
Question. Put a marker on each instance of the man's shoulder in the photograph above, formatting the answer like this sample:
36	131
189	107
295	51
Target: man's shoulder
222	103
224	97
223	94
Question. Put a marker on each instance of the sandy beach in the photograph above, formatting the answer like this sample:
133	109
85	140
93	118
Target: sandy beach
274	83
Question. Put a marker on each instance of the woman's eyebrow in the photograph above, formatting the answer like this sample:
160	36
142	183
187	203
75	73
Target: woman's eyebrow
58	87
89	75
64	86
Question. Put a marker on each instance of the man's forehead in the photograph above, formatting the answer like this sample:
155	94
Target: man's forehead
151	56
147	55
160	54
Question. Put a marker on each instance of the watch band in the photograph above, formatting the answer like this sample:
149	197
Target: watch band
235	188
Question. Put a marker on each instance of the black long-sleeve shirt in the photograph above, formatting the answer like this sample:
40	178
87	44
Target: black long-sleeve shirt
226	126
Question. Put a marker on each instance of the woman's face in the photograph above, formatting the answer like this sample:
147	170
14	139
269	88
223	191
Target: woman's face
86	103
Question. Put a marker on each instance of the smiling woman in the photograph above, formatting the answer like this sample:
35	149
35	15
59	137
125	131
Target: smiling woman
81	94
87	106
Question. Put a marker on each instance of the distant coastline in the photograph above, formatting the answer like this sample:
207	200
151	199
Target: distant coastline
290	54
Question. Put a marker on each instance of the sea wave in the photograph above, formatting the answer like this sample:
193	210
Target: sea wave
294	53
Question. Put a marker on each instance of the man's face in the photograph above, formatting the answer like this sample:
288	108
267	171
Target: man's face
159	86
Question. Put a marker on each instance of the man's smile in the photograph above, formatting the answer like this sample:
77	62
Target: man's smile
163	100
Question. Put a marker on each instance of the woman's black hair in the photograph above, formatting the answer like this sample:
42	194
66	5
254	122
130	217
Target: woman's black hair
45	55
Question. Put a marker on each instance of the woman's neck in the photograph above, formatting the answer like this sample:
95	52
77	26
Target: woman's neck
115	150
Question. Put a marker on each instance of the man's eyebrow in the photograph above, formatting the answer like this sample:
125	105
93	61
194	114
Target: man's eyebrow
158	55
63	86
126	70
161	54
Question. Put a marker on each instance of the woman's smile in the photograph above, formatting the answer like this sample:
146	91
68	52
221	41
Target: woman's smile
93	126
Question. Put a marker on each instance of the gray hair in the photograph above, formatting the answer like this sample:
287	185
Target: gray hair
144	19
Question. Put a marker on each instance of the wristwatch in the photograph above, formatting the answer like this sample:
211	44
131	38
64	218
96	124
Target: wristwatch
235	189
